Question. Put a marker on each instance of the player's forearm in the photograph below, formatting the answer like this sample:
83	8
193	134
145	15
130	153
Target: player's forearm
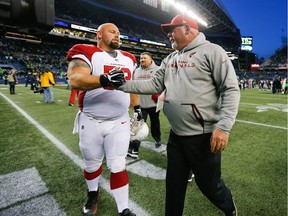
134	98
79	74
84	82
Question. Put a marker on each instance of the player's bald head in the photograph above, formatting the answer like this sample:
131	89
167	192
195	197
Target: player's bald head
108	36
105	26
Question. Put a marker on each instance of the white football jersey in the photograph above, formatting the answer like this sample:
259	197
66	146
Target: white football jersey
103	104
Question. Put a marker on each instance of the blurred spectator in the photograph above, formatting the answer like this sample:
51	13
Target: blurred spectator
34	81
276	88
5	78
12	78
286	87
47	83
67	81
28	79
73	94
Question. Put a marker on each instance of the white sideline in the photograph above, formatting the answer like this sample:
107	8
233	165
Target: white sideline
260	124
104	183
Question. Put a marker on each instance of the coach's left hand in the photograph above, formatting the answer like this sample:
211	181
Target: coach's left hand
219	140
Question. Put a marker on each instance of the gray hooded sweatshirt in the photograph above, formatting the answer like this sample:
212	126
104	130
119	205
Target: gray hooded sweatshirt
201	88
146	74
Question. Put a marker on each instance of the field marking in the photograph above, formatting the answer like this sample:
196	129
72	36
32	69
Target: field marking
268	106
24	193
261	124
147	170
43	205
267	98
79	162
105	183
21	185
250	104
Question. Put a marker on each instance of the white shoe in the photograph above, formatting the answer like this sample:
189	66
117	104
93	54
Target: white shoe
190	179
132	154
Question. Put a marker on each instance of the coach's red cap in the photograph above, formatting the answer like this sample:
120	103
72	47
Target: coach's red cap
179	20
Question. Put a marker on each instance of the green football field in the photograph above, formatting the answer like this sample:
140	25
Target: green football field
39	136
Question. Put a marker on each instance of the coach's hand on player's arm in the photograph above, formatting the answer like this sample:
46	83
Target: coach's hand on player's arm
80	78
219	140
114	78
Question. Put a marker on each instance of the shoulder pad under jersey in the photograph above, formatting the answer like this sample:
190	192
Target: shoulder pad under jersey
130	55
82	49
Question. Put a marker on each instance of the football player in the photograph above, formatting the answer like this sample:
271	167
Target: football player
103	120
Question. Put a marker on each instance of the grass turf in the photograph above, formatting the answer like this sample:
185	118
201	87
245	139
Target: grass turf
254	165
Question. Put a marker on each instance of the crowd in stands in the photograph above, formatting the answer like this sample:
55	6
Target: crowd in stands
92	17
228	44
277	85
259	75
31	57
278	60
271	76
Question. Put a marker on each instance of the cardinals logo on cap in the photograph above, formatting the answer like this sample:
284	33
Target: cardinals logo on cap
179	20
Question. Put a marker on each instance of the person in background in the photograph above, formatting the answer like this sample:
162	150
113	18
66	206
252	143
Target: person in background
73	94
146	71
68	83
47	82
201	103
276	85
5	78
103	121
35	80
12	79
28	79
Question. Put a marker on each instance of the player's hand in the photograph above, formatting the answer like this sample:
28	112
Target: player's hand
137	113
114	78
219	140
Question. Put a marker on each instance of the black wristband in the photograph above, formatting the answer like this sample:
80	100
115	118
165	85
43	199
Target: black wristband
104	80
137	107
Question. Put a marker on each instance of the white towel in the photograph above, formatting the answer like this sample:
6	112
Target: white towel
76	123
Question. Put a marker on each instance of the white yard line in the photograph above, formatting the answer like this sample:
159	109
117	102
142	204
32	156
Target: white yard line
274	97
260	124
105	183
135	207
250	104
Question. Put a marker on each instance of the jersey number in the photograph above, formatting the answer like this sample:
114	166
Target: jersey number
126	71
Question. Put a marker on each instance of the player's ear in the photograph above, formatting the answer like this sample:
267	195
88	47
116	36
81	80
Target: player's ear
98	34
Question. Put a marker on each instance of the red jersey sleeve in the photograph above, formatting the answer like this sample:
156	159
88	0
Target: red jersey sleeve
81	50
131	56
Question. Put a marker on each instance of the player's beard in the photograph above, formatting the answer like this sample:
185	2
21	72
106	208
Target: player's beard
115	45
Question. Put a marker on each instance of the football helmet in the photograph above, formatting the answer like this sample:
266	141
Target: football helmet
138	130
